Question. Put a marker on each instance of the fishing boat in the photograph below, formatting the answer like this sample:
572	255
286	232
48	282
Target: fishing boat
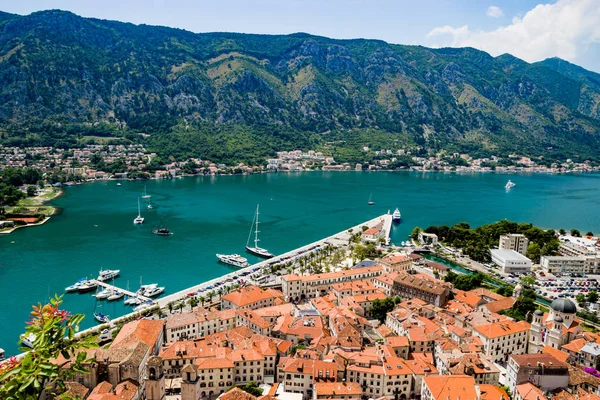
145	195
28	339
108	274
509	185
75	287
233	259
257	251
139	219
396	216
371	202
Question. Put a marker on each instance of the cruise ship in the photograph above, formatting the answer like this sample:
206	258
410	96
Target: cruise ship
233	259
396	216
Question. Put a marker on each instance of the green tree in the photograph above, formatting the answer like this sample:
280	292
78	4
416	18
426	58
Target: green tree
415	233
589	233
592	296
575	232
250	387
31	190
380	308
36	372
528	281
562	231
580	298
534	251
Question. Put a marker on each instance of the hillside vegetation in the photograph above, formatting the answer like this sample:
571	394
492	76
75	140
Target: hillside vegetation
228	96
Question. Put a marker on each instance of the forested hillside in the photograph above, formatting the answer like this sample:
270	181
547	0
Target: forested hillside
222	95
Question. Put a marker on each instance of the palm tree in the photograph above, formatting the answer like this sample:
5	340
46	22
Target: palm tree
220	292
180	306
202	299
193	302
210	295
170	307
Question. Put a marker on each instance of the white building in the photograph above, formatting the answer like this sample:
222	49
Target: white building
564	264
514	241
502	338
511	261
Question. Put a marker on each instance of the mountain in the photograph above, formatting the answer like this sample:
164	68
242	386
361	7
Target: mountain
223	95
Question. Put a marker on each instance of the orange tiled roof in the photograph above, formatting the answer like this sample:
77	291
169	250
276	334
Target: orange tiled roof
451	387
499	305
338	388
556	353
575	345
491	392
236	394
247	295
499	329
146	331
528	391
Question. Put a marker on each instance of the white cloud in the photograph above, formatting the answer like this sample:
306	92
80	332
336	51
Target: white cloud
494	12
565	29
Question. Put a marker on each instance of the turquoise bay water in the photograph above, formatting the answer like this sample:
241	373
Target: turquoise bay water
210	215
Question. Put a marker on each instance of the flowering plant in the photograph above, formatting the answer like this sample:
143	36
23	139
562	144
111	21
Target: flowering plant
41	370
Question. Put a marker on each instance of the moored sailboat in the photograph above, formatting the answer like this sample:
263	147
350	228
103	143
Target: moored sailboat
257	251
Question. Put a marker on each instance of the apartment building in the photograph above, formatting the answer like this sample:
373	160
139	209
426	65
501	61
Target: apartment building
564	264
200	322
300	287
408	286
543	370
299	375
337	391
383	376
514	241
248	297
503	338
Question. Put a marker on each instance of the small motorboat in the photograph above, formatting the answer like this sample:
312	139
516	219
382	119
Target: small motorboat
103	294
162	232
75	287
87	286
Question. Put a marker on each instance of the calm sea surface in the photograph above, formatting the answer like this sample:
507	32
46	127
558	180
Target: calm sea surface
211	215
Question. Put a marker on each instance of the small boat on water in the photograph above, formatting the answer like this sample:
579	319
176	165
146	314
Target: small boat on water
87	286
139	219
143	306
143	288
233	259
116	295
108	274
103	319
133	301
27	340
396	216
162	232
257	251
118	183
150	205
371	202
103	294
510	185
145	195
154	291
75	287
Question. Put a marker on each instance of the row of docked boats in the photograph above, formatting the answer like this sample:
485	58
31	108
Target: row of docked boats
241	262
87	285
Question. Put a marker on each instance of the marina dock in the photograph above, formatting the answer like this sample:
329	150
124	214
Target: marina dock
115	288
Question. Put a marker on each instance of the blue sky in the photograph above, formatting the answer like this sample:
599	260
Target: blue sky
530	29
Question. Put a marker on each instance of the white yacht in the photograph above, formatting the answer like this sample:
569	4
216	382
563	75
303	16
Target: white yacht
145	195
257	251
115	295
27	340
108	274
154	291
103	294
75	287
143	288
510	185
233	259
139	219
396	216
133	301
87	286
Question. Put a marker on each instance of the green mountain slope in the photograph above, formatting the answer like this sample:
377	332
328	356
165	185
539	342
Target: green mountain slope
218	94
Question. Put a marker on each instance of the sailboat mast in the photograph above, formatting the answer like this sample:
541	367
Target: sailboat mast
256	231
139	211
